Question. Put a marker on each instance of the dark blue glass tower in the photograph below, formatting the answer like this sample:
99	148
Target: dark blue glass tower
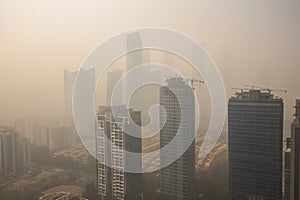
255	135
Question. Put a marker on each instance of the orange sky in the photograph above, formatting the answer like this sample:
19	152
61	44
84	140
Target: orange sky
253	42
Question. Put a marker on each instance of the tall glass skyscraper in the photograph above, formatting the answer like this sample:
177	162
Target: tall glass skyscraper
295	154
255	135
112	79
144	97
69	79
287	170
177	179
8	152
114	182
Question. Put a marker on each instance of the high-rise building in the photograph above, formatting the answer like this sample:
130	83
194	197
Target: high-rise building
60	138
287	170
255	135
53	133
24	156
143	98
295	154
83	87
114	182
134	45
112	79
134	59
34	130
177	179
26	128
14	153
69	79
8	152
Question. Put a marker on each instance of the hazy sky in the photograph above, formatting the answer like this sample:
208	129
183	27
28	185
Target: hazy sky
252	41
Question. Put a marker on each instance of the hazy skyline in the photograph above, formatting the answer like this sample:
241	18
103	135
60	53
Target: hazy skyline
253	42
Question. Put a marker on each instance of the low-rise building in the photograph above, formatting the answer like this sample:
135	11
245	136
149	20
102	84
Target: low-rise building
56	196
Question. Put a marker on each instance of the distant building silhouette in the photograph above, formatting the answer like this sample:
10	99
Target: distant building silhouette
177	179
115	182
83	88
112	79
14	153
53	133
255	135
134	59
295	154
8	152
69	79
147	96
287	170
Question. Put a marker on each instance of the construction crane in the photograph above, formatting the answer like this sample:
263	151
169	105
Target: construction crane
192	80
253	87
266	89
188	80
242	89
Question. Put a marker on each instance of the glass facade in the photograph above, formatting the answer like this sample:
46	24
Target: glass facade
255	135
177	179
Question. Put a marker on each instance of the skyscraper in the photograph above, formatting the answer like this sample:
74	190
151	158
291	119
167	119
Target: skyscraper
112	79
177	179
287	170
255	134
134	59
54	133
8	152
14	152
83	87
69	79
115	182
142	99
295	154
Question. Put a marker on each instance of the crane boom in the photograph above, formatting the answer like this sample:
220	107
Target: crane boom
253	87
192	80
266	89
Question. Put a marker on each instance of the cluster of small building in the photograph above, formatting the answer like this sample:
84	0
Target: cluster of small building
15	142
14	153
63	192
53	133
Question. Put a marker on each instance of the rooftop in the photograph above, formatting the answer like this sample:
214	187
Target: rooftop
72	189
254	95
54	196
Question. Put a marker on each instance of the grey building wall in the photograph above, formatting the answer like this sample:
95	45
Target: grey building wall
255	135
8	152
287	170
177	179
114	183
295	154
